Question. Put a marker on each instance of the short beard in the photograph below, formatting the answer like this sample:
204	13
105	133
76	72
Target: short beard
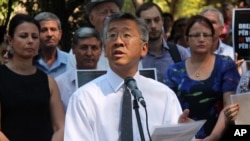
155	38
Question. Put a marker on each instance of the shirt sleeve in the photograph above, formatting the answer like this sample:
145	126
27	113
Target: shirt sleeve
77	125
174	109
231	76
184	52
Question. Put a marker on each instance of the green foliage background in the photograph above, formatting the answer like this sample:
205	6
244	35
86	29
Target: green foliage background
72	14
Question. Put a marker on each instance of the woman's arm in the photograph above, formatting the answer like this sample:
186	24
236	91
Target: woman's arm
57	112
2	136
222	122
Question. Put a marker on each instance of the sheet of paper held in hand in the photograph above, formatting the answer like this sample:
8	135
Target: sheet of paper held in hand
244	114
177	132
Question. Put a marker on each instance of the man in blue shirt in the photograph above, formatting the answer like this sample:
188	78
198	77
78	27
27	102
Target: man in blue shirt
52	60
158	55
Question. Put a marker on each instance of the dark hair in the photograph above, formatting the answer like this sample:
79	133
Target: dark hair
166	14
146	6
19	19
142	26
85	32
200	19
177	27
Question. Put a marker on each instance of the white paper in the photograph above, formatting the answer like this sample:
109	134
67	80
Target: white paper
177	132
244	101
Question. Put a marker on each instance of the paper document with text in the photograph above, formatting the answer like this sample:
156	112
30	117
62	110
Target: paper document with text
177	132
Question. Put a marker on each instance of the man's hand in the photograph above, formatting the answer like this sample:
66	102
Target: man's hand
184	117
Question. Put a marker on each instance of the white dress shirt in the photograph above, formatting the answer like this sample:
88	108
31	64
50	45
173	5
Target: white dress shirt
94	110
67	85
225	50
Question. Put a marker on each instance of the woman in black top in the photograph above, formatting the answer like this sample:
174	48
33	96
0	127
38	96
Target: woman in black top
31	109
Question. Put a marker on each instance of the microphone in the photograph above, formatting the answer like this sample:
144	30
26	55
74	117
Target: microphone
131	84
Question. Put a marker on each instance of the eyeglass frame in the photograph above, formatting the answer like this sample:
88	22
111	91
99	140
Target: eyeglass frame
199	35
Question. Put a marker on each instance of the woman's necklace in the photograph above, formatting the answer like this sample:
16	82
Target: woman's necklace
197	74
198	68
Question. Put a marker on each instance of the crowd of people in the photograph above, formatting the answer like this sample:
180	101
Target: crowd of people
196	73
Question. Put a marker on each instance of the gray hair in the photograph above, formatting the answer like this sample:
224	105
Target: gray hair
121	16
214	10
85	32
48	16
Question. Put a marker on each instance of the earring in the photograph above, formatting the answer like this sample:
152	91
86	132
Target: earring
11	51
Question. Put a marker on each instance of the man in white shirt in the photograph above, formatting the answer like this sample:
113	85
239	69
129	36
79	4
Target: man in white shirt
94	110
86	45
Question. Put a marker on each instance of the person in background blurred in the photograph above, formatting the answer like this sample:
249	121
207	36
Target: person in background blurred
159	53
216	18
177	31
31	108
52	59
168	20
5	52
98	11
87	47
227	12
204	82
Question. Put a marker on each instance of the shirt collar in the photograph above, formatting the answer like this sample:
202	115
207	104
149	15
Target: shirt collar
220	48
116	81
61	57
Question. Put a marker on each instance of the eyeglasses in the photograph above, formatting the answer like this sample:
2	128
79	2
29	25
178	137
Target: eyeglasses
199	35
126	37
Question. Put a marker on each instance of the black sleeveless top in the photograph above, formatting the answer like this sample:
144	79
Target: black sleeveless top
25	105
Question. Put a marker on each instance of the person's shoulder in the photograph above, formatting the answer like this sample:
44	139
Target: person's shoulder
151	82
178	65
224	58
64	75
2	66
62	56
180	47
226	47
156	86
225	61
184	51
62	53
39	71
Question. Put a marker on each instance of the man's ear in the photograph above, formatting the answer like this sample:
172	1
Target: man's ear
91	17
144	50
9	40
